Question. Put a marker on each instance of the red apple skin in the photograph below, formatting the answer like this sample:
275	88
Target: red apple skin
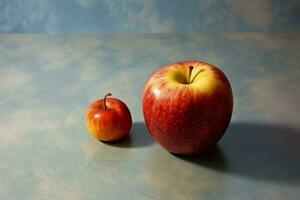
187	118
108	124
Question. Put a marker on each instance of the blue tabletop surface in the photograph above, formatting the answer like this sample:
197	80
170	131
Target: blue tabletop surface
47	82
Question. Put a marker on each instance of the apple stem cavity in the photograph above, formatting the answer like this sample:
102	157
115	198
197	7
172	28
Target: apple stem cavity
196	75
104	100
190	73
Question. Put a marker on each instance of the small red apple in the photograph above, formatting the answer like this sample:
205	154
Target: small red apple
108	119
187	106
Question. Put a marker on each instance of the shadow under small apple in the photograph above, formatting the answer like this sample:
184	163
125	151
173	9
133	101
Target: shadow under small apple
138	137
260	151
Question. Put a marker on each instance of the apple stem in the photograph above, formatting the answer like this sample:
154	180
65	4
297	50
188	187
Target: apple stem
104	100
190	73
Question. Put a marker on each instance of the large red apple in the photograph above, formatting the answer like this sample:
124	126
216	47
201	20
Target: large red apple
187	106
108	119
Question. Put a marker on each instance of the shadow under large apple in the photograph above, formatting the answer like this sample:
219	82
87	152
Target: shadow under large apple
260	151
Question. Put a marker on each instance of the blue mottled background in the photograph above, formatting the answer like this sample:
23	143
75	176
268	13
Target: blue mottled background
148	15
48	80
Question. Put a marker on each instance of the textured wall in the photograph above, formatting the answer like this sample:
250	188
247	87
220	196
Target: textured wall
148	15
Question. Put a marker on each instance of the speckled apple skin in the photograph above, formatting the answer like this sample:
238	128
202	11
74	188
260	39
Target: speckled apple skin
110	124
183	118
